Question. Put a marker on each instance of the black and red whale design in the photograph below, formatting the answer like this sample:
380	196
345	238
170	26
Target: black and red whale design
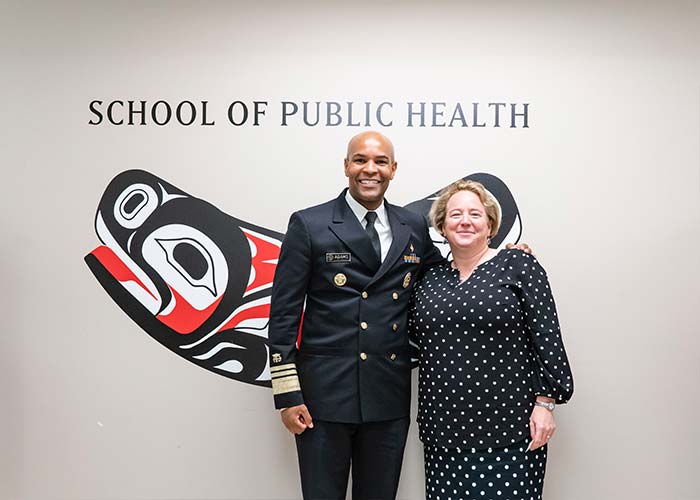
198	280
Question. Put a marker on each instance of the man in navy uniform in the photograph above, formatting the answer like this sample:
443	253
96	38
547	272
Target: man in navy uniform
348	265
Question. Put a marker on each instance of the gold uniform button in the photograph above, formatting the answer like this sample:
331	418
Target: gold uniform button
364	295
393	357
395	327
364	325
340	279
363	356
395	295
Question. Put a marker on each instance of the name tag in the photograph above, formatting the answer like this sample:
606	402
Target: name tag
338	257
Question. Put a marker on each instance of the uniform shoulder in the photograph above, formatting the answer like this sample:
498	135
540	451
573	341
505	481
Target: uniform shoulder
310	219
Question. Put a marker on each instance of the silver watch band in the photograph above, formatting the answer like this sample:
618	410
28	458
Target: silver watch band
549	406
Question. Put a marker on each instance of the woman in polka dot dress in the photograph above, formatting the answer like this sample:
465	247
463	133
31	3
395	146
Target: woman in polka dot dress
492	362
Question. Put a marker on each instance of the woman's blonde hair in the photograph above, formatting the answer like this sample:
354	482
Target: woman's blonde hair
438	211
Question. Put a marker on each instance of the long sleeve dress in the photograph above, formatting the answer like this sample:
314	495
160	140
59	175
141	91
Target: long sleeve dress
488	346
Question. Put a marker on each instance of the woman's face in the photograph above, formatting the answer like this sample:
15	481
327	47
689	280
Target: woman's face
466	223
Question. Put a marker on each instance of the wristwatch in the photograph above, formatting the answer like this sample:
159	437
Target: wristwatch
549	406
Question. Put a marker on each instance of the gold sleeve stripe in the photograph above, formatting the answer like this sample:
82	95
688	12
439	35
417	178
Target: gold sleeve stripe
289	384
284	373
274	369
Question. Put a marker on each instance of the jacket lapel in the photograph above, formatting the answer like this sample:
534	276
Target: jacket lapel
349	230
400	234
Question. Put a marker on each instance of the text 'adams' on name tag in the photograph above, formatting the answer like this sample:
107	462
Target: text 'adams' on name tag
338	257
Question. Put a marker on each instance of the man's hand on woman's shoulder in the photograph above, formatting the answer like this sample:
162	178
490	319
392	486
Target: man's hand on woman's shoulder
520	246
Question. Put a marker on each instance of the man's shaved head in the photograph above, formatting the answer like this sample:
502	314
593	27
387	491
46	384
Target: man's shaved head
370	136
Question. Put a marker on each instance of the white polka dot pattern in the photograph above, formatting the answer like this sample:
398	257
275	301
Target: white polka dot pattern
488	346
510	473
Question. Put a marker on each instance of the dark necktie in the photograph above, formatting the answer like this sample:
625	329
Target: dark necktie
371	217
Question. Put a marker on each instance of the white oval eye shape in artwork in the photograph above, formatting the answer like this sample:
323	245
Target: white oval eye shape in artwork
189	261
134	205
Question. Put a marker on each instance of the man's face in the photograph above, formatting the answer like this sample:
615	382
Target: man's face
369	167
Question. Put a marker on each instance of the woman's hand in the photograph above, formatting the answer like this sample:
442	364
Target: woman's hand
542	427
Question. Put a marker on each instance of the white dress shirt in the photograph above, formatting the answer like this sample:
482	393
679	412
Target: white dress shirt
381	224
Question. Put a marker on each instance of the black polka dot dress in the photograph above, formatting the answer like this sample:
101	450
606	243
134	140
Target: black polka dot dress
511	473
488	347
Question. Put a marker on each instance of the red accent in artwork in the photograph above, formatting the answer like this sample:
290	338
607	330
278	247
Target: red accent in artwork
266	251
184	318
117	268
260	311
301	323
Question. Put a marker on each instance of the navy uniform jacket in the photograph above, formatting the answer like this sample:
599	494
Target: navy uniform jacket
353	363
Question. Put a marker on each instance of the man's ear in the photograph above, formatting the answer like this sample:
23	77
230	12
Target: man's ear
393	169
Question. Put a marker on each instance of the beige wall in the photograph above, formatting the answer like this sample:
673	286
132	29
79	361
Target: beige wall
607	178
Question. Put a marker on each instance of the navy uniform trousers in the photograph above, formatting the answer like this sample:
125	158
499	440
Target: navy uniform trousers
352	366
375	450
